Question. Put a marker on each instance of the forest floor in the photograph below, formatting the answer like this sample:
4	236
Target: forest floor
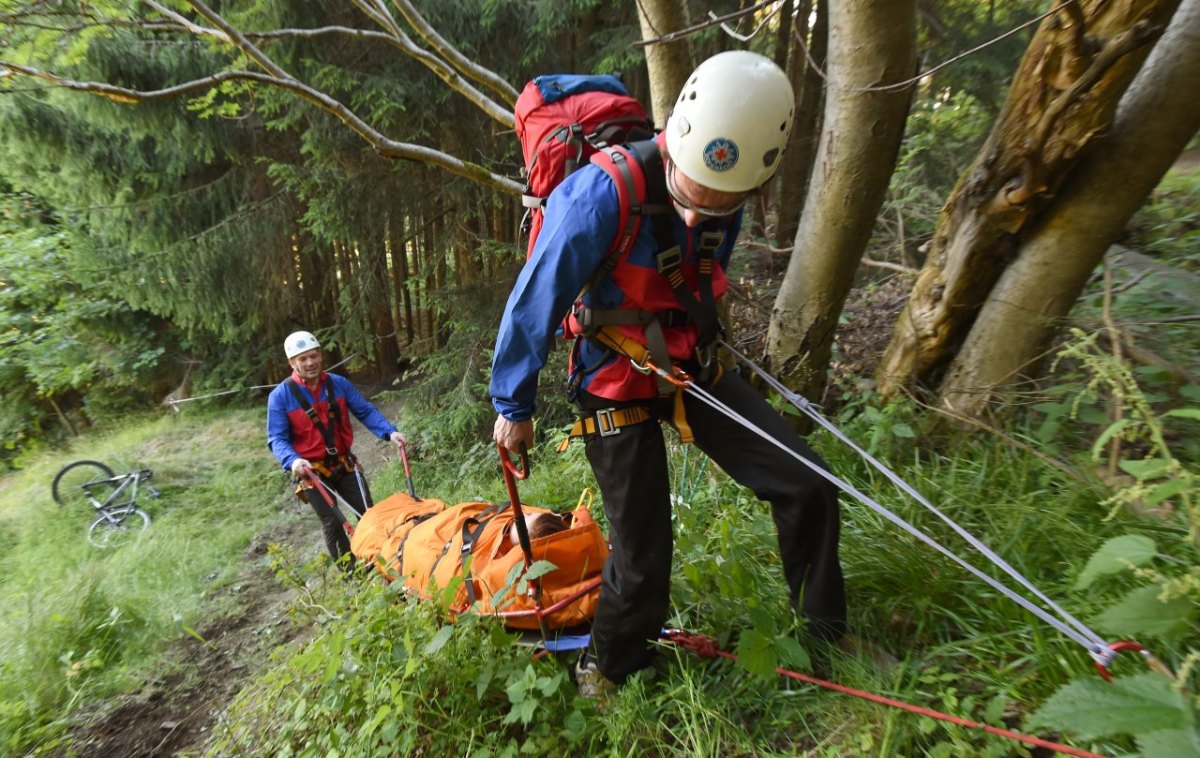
176	713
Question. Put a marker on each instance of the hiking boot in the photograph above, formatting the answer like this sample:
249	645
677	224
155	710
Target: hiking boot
592	684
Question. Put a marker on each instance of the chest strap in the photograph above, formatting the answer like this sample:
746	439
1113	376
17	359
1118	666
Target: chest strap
328	431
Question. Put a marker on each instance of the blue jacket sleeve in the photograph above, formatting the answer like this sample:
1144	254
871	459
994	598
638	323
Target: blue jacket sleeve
279	428
581	221
367	414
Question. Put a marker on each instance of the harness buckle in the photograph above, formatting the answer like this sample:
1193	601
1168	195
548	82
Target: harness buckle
331	452
668	259
606	426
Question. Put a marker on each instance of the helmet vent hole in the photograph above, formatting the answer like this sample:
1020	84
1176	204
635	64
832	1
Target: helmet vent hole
770	156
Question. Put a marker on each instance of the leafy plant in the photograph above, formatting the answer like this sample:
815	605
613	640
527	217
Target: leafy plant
1157	711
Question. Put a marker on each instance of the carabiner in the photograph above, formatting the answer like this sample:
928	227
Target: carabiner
1150	658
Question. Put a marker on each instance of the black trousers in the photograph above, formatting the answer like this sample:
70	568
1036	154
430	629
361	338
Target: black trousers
346	485
631	470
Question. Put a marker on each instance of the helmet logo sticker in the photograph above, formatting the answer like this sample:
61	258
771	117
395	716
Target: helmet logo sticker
720	154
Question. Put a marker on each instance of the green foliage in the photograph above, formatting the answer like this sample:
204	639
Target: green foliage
58	342
1156	484
79	625
1118	554
390	677
1141	704
1168	225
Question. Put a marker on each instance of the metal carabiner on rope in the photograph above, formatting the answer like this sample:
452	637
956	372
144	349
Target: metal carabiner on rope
646	368
1152	661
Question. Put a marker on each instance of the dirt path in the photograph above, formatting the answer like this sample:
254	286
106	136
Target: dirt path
174	714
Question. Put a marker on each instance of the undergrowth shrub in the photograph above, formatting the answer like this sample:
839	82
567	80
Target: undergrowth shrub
1158	557
384	675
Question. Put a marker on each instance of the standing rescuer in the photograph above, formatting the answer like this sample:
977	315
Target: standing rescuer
723	140
308	430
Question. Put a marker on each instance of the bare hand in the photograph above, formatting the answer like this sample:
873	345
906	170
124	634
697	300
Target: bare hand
302	469
514	436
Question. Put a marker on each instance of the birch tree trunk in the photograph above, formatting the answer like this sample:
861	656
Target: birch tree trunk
1154	122
1063	98
871	43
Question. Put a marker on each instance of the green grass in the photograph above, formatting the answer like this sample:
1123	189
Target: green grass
376	675
965	649
79	623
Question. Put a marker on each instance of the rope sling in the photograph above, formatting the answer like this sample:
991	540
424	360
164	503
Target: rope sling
1101	652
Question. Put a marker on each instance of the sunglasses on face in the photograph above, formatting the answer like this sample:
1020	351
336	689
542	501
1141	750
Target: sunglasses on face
682	202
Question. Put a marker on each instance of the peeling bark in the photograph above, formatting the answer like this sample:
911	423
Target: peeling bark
1035	293
1063	100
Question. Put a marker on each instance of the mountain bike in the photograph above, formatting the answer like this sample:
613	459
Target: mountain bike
113	496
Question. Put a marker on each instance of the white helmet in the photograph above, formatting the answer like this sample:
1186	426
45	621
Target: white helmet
299	342
731	123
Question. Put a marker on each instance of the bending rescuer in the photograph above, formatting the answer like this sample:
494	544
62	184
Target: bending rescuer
722	142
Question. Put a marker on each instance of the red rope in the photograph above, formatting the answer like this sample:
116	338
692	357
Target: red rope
706	647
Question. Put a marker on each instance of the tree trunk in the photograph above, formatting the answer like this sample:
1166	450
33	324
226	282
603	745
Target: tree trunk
1063	98
1019	318
802	143
667	62
380	307
871	43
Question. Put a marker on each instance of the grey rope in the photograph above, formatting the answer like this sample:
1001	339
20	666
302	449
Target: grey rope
1096	646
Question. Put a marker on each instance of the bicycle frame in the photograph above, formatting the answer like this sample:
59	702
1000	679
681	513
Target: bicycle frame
113	504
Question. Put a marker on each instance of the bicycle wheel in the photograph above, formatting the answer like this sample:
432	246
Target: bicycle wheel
73	484
116	526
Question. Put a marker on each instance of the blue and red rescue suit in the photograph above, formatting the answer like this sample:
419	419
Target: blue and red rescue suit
581	221
290	433
582	217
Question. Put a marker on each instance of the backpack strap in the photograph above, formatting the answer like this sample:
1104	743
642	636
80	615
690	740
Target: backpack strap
327	432
638	172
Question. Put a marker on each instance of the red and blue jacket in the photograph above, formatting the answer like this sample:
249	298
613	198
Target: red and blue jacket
291	434
582	218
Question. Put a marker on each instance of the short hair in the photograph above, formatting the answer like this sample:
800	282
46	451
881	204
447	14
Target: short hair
546	524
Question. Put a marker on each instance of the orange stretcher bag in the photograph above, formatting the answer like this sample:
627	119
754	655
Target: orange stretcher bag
426	544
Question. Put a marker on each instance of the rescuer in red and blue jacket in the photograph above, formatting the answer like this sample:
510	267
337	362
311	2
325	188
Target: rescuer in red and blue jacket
309	432
654	300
